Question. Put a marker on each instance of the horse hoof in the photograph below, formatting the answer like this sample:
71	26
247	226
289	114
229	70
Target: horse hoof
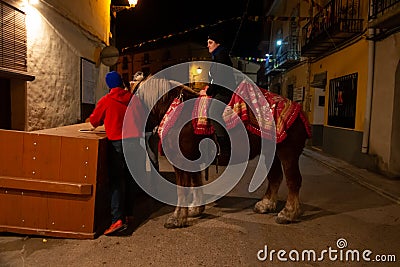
173	223
281	220
196	211
264	206
286	216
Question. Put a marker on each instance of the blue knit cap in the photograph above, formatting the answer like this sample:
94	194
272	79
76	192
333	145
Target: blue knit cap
113	79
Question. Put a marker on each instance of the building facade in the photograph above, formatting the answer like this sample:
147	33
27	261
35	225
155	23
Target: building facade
328	56
50	71
152	60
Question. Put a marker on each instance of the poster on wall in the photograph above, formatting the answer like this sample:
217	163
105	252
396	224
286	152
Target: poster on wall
88	81
298	94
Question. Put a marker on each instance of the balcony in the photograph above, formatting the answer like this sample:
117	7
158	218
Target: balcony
338	22
288	56
272	68
384	14
287	52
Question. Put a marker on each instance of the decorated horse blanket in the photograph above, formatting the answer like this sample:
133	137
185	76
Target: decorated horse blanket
200	122
263	113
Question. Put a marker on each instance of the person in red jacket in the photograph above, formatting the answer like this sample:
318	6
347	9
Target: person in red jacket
110	111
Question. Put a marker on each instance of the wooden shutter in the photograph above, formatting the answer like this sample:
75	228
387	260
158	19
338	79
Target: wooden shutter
13	48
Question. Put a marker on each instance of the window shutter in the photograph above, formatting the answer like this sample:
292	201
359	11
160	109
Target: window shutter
13	47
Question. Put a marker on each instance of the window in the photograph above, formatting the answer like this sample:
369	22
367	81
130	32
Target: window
13	48
342	101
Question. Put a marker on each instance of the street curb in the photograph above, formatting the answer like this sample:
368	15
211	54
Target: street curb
373	181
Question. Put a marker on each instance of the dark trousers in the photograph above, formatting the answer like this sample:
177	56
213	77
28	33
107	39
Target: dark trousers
122	184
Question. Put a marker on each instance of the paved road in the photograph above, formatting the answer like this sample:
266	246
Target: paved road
342	205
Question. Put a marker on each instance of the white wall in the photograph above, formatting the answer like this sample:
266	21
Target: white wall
56	45
387	57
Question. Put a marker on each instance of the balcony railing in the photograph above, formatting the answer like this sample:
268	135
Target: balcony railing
335	24
272	68
384	14
380	7
288	55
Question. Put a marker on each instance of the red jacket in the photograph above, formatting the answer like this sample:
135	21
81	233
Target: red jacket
110	111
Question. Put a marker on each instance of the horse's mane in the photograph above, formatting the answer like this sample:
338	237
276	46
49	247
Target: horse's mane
151	89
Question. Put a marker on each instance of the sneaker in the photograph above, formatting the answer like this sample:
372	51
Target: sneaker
117	226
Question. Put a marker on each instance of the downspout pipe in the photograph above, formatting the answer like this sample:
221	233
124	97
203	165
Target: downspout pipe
370	85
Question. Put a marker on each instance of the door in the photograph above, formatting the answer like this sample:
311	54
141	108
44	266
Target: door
5	104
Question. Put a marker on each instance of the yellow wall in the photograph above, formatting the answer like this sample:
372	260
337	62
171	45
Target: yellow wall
92	15
351	59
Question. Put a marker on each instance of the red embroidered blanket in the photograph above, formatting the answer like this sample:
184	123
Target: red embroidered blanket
200	122
268	112
170	117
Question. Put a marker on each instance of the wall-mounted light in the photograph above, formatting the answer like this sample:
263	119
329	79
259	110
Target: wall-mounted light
199	70
279	42
115	9
132	3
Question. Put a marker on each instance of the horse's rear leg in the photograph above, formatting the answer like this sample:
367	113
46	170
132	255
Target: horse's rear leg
289	152
275	176
291	212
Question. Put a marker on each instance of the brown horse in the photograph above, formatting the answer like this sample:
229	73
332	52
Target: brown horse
284	160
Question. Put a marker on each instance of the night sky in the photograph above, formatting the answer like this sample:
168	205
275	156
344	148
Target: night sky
152	19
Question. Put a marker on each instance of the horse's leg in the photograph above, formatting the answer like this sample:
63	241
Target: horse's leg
275	176
289	152
196	208
179	217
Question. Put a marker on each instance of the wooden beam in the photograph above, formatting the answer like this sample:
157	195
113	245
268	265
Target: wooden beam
45	186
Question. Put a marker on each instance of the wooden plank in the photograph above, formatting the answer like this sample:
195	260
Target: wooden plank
76	214
45	186
34	209
11	143
47	232
10	207
73	131
41	156
79	168
82	166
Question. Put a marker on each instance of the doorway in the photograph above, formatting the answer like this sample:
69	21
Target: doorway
5	104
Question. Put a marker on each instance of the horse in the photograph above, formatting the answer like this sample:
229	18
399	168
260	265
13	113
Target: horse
157	94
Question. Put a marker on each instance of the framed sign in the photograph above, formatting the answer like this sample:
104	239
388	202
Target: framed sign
88	83
88	87
298	94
